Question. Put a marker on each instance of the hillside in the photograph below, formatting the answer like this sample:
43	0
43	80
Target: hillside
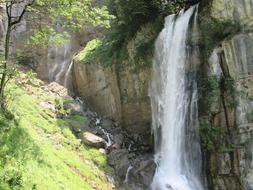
37	147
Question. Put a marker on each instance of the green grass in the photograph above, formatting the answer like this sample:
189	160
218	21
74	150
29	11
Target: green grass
38	151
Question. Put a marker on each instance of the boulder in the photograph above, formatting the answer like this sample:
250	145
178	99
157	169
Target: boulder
93	140
118	140
74	108
107	124
76	129
57	89
102	150
119	160
48	105
144	171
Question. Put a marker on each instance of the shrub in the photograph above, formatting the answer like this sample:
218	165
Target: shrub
209	135
133	32
214	31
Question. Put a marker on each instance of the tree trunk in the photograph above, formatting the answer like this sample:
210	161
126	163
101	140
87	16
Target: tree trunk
6	58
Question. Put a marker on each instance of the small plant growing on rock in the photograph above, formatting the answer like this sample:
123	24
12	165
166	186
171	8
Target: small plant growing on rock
59	107
209	135
31	76
214	31
210	89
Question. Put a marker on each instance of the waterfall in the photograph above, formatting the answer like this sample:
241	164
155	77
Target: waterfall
174	100
60	64
68	76
127	173
109	137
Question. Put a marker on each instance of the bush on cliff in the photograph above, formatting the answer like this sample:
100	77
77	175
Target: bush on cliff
131	37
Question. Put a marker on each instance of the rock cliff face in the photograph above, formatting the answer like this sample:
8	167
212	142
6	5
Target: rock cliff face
99	87
17	31
52	56
237	10
229	162
2	28
122	95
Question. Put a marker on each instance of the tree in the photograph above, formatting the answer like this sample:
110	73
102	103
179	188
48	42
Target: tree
70	15
13	19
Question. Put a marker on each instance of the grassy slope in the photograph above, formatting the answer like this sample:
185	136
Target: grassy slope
38	151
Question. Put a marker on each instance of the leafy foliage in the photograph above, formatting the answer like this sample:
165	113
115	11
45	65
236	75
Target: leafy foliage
65	16
213	89
85	54
214	31
169	6
10	71
131	16
48	35
209	135
212	138
136	53
133	32
210	94
210	89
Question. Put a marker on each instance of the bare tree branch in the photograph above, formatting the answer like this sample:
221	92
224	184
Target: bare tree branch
22	13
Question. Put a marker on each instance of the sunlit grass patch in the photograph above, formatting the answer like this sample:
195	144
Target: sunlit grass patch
39	151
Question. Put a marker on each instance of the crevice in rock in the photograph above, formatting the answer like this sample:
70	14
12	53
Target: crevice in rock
230	119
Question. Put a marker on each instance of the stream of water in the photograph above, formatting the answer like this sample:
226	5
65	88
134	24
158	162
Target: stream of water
174	101
60	65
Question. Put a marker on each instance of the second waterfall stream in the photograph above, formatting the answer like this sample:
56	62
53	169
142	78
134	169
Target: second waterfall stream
174	101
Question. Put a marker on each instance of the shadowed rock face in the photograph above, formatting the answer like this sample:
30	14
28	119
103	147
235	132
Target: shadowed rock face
239	55
17	32
122	95
99	87
237	10
236	56
192	2
231	165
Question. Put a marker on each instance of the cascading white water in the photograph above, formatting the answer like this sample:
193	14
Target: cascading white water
68	76
174	109
127	173
60	64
